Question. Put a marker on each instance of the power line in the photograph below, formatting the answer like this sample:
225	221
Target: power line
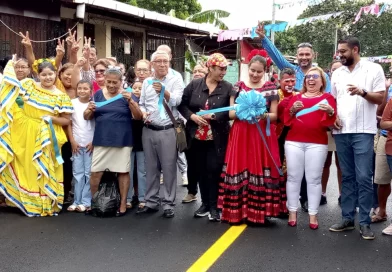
51	40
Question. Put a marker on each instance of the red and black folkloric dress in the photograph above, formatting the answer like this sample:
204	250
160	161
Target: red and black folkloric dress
252	188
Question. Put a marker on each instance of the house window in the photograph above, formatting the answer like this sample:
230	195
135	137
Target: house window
5	49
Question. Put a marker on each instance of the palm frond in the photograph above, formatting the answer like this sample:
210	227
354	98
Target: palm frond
210	17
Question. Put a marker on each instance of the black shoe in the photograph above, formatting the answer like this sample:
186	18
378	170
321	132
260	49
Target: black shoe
214	216
343	226
304	206
339	200
146	210
134	201
121	214
366	232
168	213
202	211
323	200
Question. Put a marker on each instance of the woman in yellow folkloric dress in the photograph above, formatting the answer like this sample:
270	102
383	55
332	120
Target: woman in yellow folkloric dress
31	176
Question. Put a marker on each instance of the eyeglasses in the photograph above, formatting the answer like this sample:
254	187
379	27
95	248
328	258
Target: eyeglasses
145	71
21	67
315	76
305	45
161	62
100	71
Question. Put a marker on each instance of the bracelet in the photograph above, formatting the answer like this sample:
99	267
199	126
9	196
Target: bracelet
332	113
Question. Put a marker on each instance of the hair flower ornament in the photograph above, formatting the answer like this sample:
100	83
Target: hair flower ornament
36	63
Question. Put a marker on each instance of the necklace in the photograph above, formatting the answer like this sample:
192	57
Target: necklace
315	95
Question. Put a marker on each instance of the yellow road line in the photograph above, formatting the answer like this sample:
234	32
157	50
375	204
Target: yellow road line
217	249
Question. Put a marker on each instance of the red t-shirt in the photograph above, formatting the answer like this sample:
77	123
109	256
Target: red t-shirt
311	127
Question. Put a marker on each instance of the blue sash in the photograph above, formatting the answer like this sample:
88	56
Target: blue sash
161	96
56	147
111	100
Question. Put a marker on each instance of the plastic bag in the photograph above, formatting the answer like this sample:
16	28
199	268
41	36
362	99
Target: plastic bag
106	200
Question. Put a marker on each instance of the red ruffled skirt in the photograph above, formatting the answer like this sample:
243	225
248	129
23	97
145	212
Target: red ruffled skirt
252	188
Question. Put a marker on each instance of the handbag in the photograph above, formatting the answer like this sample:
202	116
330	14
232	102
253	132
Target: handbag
179	128
106	200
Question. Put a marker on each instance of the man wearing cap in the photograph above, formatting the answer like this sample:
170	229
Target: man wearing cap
181	162
207	135
159	138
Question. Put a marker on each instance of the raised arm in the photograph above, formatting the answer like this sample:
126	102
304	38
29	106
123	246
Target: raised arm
273	52
29	48
60	52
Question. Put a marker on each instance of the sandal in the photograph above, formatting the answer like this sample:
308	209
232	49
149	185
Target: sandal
80	208
72	208
129	205
378	218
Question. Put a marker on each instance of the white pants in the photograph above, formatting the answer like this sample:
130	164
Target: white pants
308	158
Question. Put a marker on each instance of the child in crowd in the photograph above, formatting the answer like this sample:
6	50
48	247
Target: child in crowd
137	153
80	135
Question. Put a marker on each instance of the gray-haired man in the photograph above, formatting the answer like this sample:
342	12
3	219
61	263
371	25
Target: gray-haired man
159	140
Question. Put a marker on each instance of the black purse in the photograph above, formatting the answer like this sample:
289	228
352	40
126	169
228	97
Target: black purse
179	128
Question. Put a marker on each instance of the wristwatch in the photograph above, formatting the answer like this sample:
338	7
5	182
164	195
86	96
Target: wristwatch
213	116
364	93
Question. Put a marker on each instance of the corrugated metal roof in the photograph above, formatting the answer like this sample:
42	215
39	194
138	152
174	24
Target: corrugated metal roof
151	15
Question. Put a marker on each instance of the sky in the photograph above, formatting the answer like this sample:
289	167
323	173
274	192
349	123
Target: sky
246	13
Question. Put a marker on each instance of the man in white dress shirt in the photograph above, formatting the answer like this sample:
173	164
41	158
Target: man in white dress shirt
358	87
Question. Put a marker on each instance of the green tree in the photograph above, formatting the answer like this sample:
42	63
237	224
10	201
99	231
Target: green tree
183	8
210	16
374	32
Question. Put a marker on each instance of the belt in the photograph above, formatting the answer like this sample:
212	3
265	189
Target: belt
158	128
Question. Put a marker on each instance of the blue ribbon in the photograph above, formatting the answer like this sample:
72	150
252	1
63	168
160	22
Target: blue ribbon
56	147
266	145
312	109
111	100
161	97
216	110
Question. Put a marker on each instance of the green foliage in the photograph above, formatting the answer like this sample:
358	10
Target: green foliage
183	8
211	17
374	33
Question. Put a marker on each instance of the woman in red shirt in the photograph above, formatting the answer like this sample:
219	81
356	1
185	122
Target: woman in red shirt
306	144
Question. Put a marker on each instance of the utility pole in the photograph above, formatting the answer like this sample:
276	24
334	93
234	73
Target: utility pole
273	21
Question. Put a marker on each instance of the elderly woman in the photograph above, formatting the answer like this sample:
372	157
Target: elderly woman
207	135
306	144
113	133
100	66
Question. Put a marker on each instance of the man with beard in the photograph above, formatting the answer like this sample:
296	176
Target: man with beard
305	55
359	87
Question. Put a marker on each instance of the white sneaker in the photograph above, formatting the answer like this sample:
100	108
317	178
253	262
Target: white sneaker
161	179
184	179
388	230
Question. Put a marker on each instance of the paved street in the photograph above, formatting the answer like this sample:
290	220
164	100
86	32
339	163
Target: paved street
75	242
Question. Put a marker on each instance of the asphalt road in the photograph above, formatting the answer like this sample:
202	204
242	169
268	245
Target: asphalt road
75	242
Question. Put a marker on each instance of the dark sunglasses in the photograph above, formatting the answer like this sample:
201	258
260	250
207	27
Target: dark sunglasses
100	71
305	44
315	76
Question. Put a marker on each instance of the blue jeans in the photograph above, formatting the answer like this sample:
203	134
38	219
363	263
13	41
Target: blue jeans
141	175
355	153
81	168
